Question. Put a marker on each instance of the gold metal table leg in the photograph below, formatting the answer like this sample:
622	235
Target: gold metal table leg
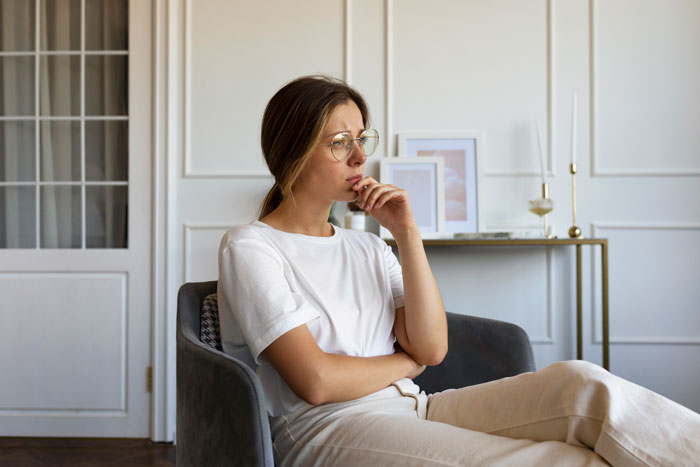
606	328
579	311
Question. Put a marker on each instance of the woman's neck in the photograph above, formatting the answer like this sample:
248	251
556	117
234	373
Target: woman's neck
301	218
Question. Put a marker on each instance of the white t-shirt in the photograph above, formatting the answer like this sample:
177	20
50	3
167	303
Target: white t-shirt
345	288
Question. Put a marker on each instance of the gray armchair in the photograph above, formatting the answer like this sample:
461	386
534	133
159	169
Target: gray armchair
221	415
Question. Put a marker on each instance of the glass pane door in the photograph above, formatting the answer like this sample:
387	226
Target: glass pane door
64	124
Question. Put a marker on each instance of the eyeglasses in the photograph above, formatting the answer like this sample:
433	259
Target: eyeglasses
342	144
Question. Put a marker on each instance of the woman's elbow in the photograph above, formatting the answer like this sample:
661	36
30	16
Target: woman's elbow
436	358
311	390
433	357
312	397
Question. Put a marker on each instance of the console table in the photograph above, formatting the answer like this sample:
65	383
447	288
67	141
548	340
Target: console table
578	242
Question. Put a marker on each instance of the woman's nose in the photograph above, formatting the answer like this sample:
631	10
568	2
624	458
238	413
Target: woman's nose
357	156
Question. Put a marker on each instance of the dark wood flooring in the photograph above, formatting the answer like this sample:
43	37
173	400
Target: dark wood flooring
84	452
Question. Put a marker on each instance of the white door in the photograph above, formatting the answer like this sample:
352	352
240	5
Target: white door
75	206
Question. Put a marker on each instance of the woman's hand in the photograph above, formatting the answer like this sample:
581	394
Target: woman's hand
388	204
417	367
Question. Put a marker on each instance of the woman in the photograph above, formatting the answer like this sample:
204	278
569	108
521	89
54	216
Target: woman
338	328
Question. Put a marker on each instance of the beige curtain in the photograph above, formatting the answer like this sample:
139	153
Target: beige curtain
59	90
60	141
110	98
16	137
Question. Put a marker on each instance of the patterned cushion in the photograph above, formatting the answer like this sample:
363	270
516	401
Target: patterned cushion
209	332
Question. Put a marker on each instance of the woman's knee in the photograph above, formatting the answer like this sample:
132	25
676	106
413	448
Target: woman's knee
579	375
579	368
586	388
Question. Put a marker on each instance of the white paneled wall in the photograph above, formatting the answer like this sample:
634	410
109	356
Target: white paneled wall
646	70
493	67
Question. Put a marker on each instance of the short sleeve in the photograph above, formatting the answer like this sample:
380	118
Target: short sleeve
395	275
252	281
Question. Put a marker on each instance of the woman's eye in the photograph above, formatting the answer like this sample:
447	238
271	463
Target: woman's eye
341	140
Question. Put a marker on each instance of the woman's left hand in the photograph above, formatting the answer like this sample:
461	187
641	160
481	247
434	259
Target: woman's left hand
388	204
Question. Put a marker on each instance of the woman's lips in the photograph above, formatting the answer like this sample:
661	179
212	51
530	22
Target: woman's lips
354	180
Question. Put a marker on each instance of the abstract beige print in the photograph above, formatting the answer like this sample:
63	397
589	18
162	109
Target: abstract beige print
455	185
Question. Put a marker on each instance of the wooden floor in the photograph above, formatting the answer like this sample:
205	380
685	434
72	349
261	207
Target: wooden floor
84	452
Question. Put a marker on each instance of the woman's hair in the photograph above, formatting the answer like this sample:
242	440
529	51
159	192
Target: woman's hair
293	125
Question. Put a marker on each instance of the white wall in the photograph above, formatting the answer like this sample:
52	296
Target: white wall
491	66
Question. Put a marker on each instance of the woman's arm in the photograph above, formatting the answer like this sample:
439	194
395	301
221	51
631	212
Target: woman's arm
420	325
319	377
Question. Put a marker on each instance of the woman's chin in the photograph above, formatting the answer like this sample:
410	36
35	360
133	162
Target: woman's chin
347	197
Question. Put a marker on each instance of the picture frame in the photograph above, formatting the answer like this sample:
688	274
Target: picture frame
423	180
463	155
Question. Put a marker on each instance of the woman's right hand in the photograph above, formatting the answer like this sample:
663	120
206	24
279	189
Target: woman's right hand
416	369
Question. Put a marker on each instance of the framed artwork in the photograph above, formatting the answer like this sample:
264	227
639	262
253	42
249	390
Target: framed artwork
423	179
461	152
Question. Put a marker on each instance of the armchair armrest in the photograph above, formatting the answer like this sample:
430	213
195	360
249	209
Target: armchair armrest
479	350
221	412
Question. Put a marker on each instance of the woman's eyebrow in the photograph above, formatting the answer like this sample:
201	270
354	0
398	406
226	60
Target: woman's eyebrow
344	131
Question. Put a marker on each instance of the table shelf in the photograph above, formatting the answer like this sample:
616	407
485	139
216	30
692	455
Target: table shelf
578	243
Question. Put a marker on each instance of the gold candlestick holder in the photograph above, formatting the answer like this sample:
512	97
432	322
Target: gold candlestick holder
574	231
541	207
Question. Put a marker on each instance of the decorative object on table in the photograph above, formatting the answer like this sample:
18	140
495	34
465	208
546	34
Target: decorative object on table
423	180
574	231
355	217
542	206
492	235
462	152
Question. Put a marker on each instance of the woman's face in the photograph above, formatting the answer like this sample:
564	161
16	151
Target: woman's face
325	178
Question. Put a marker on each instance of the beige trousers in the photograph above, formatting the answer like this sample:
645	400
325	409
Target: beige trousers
567	414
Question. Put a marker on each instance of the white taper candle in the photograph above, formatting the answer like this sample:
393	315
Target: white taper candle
539	146
573	129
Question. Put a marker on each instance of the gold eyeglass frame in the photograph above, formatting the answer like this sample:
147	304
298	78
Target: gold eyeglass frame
349	143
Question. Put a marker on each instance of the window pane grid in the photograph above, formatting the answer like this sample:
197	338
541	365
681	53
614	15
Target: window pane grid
37	141
64	52
82	124
64	183
59	118
108	208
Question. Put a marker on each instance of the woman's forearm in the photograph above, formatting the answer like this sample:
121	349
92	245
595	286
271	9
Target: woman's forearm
424	317
319	377
342	378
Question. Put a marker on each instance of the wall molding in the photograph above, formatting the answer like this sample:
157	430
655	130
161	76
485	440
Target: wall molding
347	25
596	312
390	148
73	413
548	338
550	109
188	171
596	169
187	243
167	138
388	75
122	277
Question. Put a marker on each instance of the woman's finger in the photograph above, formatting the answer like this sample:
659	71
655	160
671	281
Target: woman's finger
376	193
386	197
363	182
365	192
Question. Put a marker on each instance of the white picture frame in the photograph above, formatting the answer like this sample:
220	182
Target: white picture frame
462	152
423	180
